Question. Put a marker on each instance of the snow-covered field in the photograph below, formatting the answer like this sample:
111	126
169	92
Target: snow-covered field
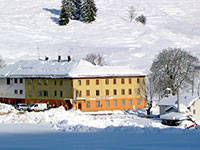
26	24
60	129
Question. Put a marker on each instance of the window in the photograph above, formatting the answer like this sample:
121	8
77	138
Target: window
107	81
114	81
138	91
194	112
114	92
16	81
20	91
61	103
61	93
123	91
97	103
39	93
138	80
88	104
129	81
21	81
61	82
130	102
129	91
55	93
87	92
39	82
8	101
45	82
29	93
138	102
87	82
115	103
97	92
2	100
107	103
122	81
79	82
8	81
16	91
54	82
80	94
107	92
45	93
123	102
97	82
29	82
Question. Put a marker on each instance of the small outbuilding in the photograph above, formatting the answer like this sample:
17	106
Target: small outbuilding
188	105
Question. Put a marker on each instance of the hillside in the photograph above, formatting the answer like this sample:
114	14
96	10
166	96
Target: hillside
26	24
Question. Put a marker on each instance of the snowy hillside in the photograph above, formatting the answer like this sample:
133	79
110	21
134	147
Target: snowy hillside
26	24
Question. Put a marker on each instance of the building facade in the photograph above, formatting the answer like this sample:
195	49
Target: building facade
77	84
12	90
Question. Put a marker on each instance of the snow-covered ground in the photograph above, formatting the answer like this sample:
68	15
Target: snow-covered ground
26	24
105	130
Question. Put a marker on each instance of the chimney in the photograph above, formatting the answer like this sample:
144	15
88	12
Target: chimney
59	58
68	58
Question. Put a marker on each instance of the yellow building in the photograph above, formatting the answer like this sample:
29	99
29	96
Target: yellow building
109	93
88	94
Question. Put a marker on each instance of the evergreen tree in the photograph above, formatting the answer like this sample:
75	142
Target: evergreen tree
88	11
64	16
77	12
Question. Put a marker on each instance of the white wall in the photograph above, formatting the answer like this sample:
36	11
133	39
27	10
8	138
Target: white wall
195	107
8	91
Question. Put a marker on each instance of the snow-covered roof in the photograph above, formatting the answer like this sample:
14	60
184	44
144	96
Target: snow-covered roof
185	100
174	116
182	108
72	69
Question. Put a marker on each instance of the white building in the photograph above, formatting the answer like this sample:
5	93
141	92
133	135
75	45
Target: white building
188	104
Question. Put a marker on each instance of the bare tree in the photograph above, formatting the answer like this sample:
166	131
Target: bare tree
96	59
131	13
173	68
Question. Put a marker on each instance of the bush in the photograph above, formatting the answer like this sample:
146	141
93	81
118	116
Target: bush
141	19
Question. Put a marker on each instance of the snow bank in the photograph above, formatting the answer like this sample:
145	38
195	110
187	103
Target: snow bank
76	121
6	109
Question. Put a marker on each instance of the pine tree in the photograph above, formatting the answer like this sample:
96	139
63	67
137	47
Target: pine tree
64	16
77	12
88	11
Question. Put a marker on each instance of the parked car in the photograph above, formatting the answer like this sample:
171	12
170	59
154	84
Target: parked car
37	107
21	107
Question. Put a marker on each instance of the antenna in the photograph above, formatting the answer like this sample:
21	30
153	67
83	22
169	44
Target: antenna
38	49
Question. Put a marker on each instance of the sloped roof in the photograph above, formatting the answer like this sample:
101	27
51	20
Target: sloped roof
185	100
55	69
174	116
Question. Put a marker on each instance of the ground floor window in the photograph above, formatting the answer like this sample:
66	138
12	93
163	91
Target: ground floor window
97	103
115	103
88	104
138	102
107	103
130	102
123	102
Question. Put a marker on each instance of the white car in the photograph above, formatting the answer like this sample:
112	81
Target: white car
21	107
37	107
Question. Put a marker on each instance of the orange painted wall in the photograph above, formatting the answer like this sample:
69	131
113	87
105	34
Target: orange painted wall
111	104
